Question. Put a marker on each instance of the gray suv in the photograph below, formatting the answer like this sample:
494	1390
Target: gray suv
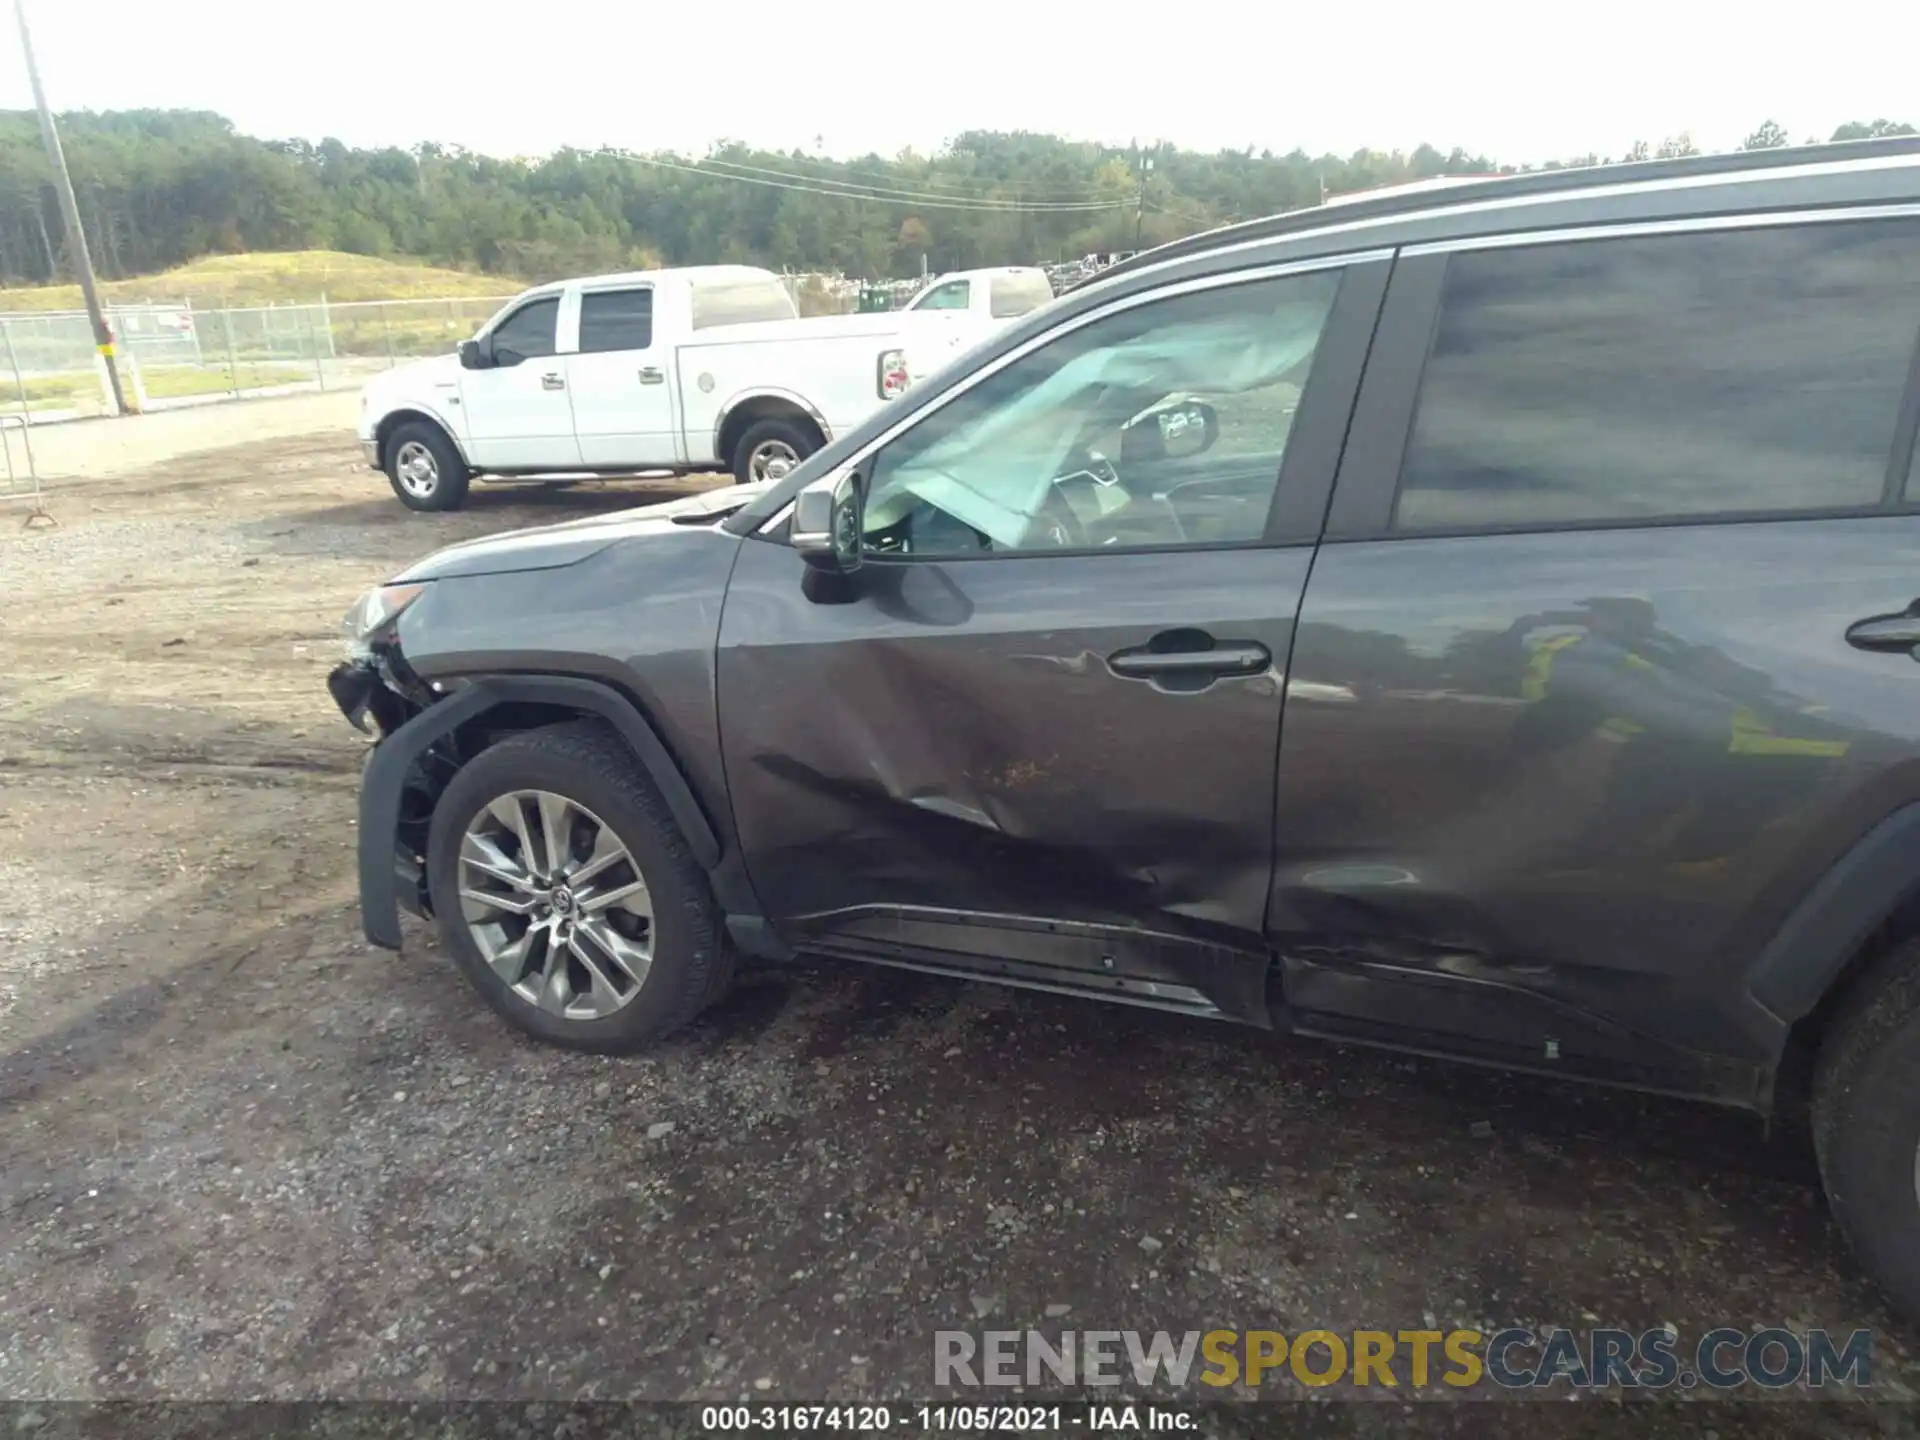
1480	623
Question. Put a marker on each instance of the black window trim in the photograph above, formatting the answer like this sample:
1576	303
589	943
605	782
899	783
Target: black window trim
1298	510
1901	473
580	313
1367	490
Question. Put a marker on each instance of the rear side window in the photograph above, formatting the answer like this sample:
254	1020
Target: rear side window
616	320
1017	294
527	334
1666	376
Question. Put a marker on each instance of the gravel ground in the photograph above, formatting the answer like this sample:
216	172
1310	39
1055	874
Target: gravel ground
243	1154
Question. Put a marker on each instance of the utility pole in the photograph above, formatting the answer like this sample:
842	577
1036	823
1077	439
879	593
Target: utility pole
1140	200
70	213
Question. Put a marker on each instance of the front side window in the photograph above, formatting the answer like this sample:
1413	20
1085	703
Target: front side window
1666	376
1161	424
527	334
616	320
954	295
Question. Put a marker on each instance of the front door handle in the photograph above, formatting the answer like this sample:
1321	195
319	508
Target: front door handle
1888	632
553	380
652	375
1189	659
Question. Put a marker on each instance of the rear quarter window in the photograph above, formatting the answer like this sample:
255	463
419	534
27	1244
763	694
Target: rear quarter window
1014	295
1637	378
740	302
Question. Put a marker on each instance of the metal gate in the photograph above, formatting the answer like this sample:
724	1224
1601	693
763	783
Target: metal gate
22	478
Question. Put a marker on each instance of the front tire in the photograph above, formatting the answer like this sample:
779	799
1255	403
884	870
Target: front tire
770	449
568	896
1866	1124
425	469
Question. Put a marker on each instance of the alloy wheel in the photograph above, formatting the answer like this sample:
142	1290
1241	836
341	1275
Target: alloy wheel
556	904
772	460
417	470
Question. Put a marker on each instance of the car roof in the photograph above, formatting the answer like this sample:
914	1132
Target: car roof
692	274
1869	177
1853	171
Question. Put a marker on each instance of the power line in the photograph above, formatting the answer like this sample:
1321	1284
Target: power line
1192	217
1038	190
894	198
889	193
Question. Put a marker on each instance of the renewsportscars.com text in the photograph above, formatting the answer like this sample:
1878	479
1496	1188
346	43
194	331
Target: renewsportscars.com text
1720	1359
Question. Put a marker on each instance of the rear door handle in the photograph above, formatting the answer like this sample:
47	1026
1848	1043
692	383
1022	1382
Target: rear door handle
651	375
552	380
1888	632
1189	659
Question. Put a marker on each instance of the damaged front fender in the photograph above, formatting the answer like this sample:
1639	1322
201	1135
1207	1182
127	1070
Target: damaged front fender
384	864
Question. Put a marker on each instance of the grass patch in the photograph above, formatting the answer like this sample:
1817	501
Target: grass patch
288	277
80	389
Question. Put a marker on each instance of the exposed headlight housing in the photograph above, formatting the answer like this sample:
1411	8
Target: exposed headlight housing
376	611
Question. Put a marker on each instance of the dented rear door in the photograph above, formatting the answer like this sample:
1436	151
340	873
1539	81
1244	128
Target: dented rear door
1063	753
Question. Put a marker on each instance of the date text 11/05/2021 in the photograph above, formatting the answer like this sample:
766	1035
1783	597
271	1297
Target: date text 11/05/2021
959	1418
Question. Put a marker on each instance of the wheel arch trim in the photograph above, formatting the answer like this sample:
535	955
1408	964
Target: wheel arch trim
383	784
1812	947
411	411
766	392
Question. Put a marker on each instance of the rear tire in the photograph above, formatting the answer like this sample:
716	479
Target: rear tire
1866	1124
576	994
425	469
771	448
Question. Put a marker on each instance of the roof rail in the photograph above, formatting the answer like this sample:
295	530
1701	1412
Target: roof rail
1417	196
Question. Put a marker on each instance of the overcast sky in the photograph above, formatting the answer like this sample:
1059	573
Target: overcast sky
1519	82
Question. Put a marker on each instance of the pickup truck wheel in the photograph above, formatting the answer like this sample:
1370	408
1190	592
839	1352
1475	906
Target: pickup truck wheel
1866	1124
770	449
425	469
567	895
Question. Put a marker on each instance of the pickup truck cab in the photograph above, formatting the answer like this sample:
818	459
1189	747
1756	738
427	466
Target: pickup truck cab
989	298
684	370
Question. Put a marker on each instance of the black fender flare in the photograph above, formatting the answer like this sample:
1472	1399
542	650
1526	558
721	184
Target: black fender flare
1807	954
383	782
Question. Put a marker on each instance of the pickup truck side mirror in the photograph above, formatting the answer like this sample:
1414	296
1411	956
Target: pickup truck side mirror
474	355
828	518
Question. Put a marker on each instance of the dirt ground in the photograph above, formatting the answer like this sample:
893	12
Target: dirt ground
243	1154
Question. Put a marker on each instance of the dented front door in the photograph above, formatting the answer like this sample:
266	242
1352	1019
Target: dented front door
961	745
1038	725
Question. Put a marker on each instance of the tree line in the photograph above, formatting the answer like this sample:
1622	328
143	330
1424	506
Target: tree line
160	188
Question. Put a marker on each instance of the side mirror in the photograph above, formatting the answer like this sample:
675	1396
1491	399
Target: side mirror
473	356
828	518
1178	428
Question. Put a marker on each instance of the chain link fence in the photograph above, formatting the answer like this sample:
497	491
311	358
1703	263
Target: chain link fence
175	355
172	355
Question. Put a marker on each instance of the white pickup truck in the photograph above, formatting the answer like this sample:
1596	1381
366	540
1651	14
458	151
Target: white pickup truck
985	297
698	368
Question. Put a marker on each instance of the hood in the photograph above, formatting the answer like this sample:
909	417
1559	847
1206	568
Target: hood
415	374
548	547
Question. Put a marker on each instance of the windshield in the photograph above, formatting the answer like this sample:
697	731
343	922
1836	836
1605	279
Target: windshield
989	459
